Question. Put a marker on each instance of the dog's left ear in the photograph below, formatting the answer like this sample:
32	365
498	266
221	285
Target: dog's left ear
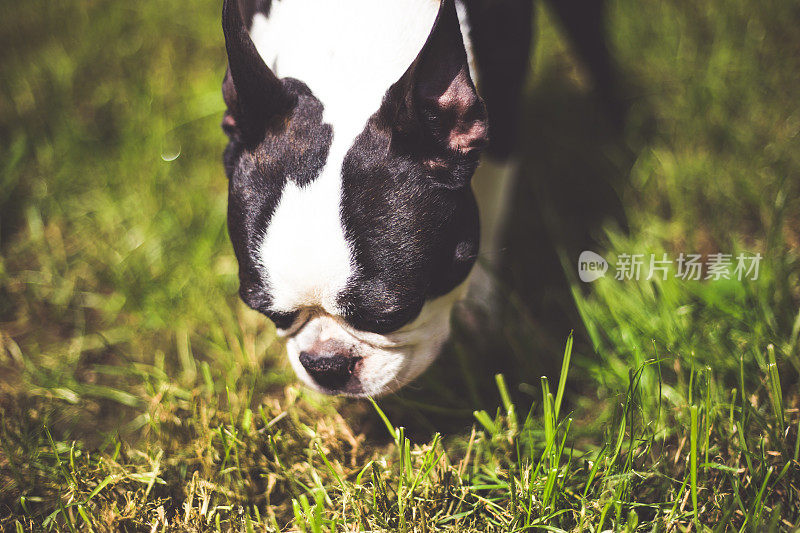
434	107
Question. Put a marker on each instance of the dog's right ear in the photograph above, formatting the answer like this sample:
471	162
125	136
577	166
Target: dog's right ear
255	97
434	108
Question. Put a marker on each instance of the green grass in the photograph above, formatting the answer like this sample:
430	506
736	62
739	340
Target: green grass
138	393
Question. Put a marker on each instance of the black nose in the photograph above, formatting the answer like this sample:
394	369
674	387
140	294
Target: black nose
330	371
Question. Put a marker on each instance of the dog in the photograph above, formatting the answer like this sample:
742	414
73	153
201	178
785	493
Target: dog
355	128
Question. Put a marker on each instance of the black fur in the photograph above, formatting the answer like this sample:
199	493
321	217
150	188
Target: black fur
413	238
249	8
257	101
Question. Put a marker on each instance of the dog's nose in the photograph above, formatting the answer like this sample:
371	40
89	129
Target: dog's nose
331	371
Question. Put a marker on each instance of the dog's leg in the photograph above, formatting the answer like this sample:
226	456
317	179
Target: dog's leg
584	23
500	31
492	185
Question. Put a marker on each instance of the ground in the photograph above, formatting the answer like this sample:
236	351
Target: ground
138	393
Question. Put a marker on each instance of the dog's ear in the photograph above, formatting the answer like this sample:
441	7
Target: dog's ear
435	108
255	97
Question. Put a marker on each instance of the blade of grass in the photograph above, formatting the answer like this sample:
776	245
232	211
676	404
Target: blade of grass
562	379
693	463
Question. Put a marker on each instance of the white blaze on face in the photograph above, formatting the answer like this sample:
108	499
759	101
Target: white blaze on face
348	52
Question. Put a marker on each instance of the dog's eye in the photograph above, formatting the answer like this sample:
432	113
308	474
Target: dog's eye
281	320
383	320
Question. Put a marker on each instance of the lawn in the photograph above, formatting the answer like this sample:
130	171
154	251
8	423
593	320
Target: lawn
138	394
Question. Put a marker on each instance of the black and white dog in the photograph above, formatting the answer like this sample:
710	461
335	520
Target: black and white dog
355	129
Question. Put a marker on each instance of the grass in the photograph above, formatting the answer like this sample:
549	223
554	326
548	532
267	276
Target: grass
137	393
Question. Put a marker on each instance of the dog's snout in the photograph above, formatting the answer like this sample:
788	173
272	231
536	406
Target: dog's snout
330	370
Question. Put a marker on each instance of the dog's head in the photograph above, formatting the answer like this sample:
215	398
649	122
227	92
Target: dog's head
356	246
